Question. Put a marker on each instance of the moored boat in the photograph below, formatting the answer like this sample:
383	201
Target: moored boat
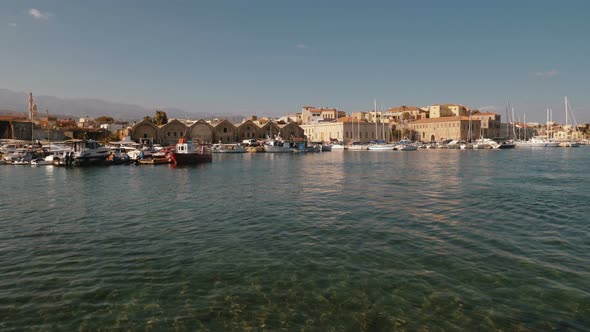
227	148
186	153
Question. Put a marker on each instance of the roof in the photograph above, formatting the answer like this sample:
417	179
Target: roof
442	119
485	113
349	119
404	108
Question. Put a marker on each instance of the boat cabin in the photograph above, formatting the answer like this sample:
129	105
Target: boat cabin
184	146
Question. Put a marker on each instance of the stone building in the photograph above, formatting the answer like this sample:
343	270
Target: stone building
347	129
442	110
310	114
444	128
145	132
248	130
202	132
225	131
490	124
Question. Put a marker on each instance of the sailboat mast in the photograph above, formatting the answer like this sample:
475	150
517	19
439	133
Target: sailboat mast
565	111
524	120
376	127
48	135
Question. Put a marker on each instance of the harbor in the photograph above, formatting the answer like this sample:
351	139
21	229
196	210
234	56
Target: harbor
438	238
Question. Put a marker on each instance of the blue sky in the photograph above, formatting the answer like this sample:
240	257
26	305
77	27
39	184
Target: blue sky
272	57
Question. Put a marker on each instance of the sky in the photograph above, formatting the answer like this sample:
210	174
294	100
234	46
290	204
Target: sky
270	57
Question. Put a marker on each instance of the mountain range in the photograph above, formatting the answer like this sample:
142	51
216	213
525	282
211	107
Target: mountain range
12	102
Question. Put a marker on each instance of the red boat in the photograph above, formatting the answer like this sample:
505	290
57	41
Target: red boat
187	154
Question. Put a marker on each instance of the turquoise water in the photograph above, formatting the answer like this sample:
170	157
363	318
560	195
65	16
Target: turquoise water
375	241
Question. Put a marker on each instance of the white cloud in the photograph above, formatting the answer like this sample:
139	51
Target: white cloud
547	74
36	13
301	46
12	24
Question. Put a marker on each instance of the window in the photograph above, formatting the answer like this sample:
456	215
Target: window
225	130
168	134
174	134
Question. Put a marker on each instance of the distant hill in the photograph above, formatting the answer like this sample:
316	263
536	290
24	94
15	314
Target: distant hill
16	102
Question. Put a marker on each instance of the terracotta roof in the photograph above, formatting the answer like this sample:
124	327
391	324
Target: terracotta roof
12	117
485	113
349	119
404	108
442	119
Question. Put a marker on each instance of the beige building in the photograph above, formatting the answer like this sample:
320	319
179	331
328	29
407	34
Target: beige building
225	131
247	130
442	110
347	129
216	131
398	114
311	114
202	131
490	124
444	128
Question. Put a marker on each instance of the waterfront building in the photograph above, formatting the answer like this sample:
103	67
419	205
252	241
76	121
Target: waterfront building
490	124
291	131
442	110
144	132
401	113
247	130
311	114
225	131
346	129
147	132
444	128
170	132
202	131
268	129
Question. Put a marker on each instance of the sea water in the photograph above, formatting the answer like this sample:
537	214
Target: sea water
418	240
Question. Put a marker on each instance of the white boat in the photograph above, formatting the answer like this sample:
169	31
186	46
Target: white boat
455	144
380	147
47	161
277	145
485	143
86	152
357	146
406	147
326	147
539	142
338	147
227	148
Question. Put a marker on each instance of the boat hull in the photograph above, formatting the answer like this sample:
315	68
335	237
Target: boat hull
190	158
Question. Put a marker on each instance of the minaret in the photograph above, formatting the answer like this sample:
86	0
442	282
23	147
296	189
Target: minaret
31	106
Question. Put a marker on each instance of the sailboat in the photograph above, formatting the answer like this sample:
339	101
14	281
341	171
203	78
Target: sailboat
508	143
379	145
568	142
357	145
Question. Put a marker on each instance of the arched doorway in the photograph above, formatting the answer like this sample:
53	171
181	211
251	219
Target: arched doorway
432	139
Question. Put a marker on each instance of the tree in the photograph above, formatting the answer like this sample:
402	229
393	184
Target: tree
407	116
104	119
161	118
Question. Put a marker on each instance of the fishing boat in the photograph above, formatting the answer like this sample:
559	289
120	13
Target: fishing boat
277	145
305	147
186	153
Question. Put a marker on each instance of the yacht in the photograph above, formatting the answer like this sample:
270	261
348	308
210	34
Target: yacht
85	152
